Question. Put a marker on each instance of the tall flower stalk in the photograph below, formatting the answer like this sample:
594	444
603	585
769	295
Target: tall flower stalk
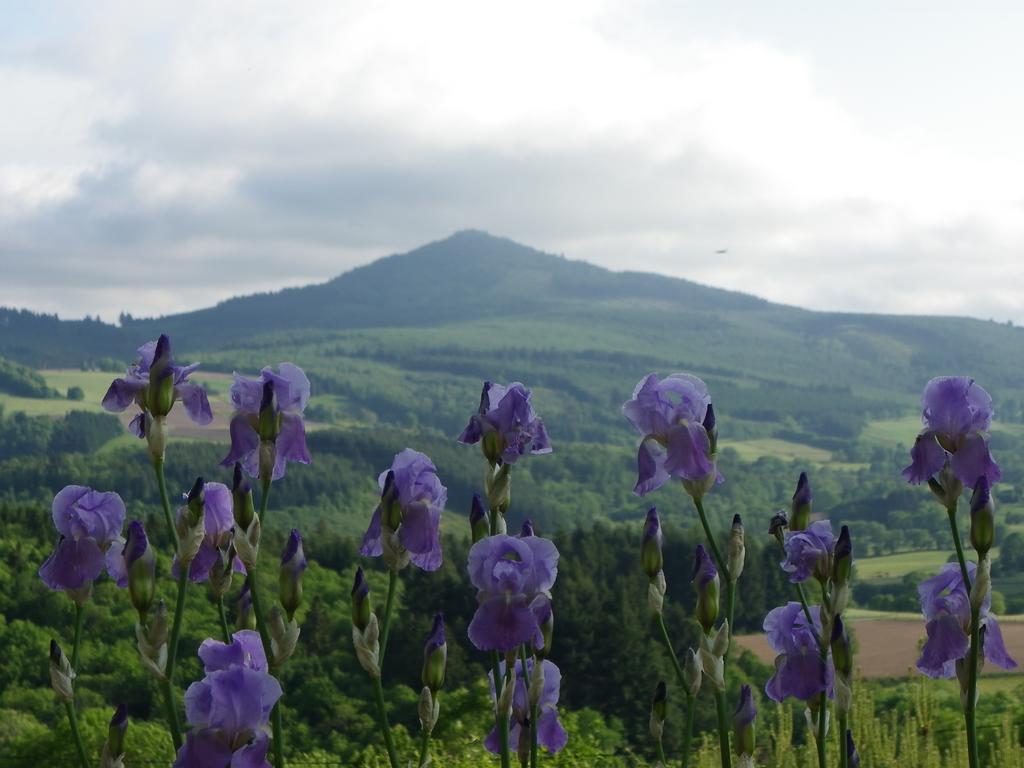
507	428
679	439
949	454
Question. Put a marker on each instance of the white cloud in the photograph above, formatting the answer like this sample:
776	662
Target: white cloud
232	151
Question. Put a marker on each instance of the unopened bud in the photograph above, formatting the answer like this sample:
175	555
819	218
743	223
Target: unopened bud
650	545
435	656
842	557
140	562
284	636
800	516
705	581
658	710
982	583
777	526
479	526
113	749
62	676
429	709
293	563
542	610
743	722
852	758
243	508
737	550
245	618
499	488
160	392
842	653
983	519
692	672
361	610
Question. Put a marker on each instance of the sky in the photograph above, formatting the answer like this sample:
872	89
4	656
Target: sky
158	157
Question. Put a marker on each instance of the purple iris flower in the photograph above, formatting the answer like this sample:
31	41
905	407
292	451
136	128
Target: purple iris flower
155	383
946	606
550	733
413	498
90	525
957	414
809	552
514	577
218	522
269	410
671	413
507	424
229	708
799	669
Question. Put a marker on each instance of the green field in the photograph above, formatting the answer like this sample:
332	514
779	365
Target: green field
899	565
751	450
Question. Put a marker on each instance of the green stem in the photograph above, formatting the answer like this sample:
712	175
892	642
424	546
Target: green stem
424	748
715	551
682	684
723	729
79	613
165	500
261	626
500	722
971	713
970	706
382	714
661	754
223	620
691	711
730	610
264	498
385	628
73	720
844	724
172	714
822	721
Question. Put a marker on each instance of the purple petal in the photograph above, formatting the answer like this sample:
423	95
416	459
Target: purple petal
927	458
253	754
502	625
946	643
956	405
294	394
122	393
291	443
137	426
372	545
995	649
199	568
488	553
203	748
246	394
419	533
245	649
219	512
541	443
115	562
244	441
196	403
545	564
801	675
688	447
473	431
550	733
73	564
80	512
650	465
973	460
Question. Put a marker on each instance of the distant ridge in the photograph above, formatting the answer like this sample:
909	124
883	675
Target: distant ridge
474	277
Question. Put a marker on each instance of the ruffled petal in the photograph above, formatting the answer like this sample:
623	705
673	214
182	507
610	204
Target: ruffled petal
203	748
196	402
253	754
122	393
995	648
420	534
927	458
73	564
650	466
244	441
688	447
946	643
373	545
291	443
498	625
550	733
115	563
973	460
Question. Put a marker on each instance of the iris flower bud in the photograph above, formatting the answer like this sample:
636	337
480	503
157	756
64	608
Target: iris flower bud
140	562
390	504
61	674
737	550
478	523
983	520
113	749
842	557
777	526
705	580
650	547
361	609
801	510
743	722
241	494
658	710
245	618
852	758
160	397
711	427
293	563
546	621
693	672
435	656
191	525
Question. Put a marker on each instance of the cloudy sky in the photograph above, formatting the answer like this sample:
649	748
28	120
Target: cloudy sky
156	157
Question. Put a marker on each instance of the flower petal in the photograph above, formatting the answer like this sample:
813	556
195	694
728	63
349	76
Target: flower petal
196	402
